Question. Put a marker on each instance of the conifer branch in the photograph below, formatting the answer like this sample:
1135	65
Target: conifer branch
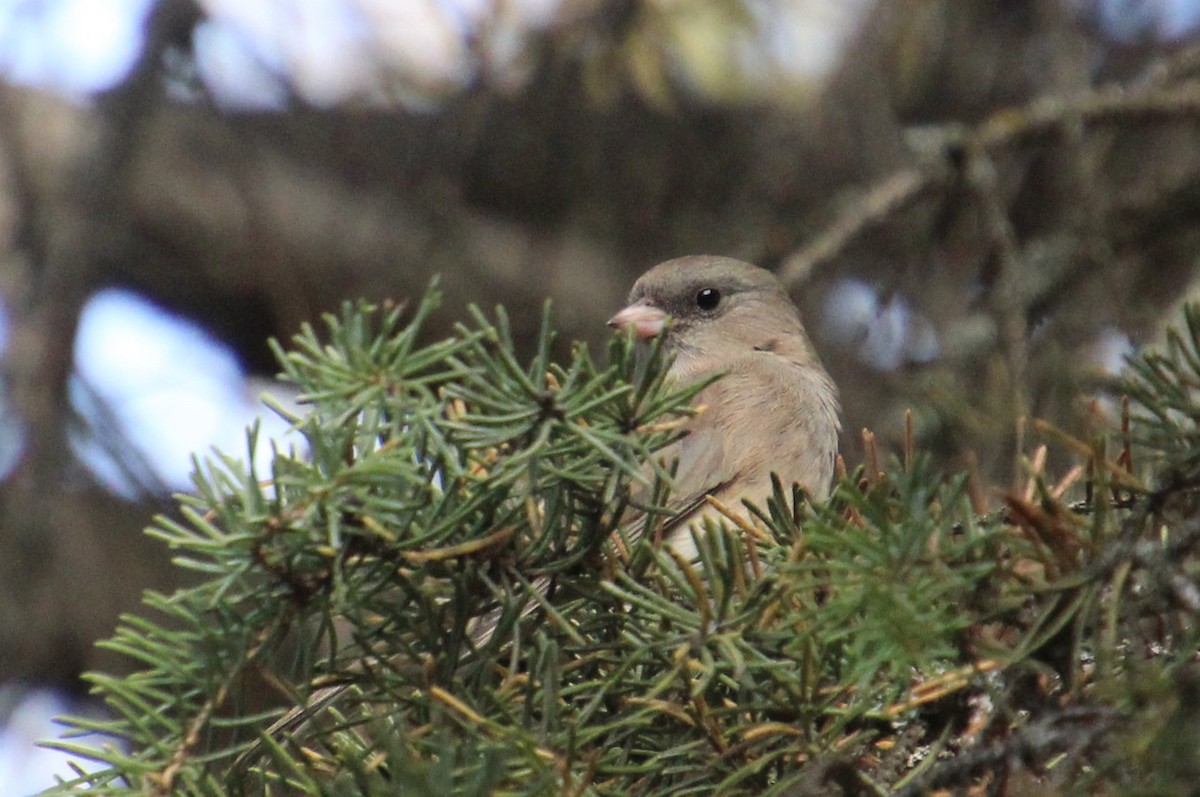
451	487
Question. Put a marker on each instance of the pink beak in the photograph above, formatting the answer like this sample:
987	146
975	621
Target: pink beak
645	320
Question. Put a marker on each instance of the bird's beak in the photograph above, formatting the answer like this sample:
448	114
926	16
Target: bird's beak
645	320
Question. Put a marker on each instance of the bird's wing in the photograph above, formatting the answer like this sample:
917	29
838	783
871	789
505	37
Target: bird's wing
765	415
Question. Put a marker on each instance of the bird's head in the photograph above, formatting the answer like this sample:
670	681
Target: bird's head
713	306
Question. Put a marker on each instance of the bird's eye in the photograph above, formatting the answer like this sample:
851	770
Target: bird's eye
708	299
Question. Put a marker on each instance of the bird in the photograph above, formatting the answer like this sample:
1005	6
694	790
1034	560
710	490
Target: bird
772	407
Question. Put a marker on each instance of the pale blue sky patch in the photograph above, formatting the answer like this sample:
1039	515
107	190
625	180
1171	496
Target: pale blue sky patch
171	388
75	47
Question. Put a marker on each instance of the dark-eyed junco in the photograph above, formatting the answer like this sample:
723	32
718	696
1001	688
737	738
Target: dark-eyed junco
774	409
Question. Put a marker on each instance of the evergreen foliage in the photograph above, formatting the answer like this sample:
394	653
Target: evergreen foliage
891	640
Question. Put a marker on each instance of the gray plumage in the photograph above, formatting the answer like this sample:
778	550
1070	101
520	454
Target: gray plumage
773	410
